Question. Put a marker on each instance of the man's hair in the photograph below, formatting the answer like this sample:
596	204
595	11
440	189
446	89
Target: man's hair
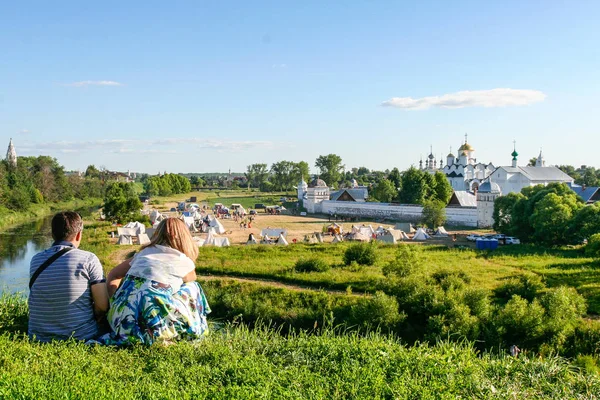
65	225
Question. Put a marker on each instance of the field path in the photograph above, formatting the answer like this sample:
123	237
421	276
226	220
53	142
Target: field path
278	284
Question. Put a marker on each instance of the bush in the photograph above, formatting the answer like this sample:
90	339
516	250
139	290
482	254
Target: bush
525	286
312	264
408	260
564	309
379	311
588	364
592	248
451	279
362	253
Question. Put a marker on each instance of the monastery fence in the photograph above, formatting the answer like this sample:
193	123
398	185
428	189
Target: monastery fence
463	216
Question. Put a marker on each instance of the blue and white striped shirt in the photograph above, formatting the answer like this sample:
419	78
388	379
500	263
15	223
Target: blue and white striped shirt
60	300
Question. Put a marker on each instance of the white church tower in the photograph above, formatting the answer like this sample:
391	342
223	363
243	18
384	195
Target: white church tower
486	196
302	187
11	155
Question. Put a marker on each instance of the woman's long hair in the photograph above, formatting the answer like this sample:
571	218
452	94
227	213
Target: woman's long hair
174	233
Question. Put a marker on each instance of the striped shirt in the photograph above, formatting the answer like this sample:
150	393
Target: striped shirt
60	300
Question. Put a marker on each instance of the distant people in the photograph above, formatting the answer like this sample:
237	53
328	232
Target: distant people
68	292
158	298
514	350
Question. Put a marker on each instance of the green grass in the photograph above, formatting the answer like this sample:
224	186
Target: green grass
9	218
238	362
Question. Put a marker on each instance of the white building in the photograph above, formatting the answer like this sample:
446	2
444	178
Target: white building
463	172
514	178
316	192
486	196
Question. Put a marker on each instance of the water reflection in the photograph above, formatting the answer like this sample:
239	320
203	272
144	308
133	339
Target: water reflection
17	247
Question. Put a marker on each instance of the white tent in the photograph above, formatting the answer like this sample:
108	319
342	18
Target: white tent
405	226
273	232
138	226
127	231
252	239
281	241
319	237
125	240
359	237
188	220
337	239
310	239
199	241
380	230
217	241
143	239
155	216
440	231
386	238
397	234
215	223
421	235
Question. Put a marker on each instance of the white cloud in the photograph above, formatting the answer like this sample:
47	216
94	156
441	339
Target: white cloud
279	66
146	146
24	131
94	83
501	97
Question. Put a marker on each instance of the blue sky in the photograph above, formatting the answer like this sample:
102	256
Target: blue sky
206	86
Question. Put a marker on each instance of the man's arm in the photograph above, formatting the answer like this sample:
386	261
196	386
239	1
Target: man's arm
100	299
116	275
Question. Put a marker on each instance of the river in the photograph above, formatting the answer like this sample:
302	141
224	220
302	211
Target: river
17	247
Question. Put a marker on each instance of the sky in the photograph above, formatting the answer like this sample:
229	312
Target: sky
205	86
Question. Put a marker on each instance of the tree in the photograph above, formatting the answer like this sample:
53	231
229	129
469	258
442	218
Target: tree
121	202
300	170
396	178
281	175
551	218
331	168
385	191
256	174
434	213
92	172
503	210
442	190
585	223
413	187
532	162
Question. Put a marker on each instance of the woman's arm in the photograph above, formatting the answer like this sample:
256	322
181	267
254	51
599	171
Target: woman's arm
190	277
113	280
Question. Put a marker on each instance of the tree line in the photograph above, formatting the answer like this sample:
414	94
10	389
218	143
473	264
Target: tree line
38	180
550	215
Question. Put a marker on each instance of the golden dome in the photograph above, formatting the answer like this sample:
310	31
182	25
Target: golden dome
466	147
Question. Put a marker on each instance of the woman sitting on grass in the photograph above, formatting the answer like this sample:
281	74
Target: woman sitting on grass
158	298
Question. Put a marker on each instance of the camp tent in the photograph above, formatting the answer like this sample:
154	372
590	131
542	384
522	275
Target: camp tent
405	226
310	239
421	235
143	239
386	238
199	241
124	240
397	234
337	239
281	241
440	231
215	223
127	231
319	237
150	232
155	216
266	240
358	237
215	240
138	226
251	239
273	232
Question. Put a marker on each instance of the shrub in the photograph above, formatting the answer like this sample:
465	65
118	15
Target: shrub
379	311
525	286
407	260
564	308
520	322
592	248
451	279
588	364
362	253
312	264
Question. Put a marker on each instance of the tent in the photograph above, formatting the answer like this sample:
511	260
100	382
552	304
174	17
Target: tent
319	237
150	232
188	220
125	240
337	239
251	239
266	240
127	231
155	216
421	235
380	230
440	231
386	238
310	239
217	241
273	232
143	239
215	223
138	226
334	228
397	234
281	240
405	226
199	241
358	237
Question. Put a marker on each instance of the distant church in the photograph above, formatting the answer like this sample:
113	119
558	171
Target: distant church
463	172
11	155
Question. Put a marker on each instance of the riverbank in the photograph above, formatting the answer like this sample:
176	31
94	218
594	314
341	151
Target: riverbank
9	218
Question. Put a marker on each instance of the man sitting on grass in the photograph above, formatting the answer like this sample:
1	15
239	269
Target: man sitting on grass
67	286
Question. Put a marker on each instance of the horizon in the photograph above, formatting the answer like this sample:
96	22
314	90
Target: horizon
211	86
